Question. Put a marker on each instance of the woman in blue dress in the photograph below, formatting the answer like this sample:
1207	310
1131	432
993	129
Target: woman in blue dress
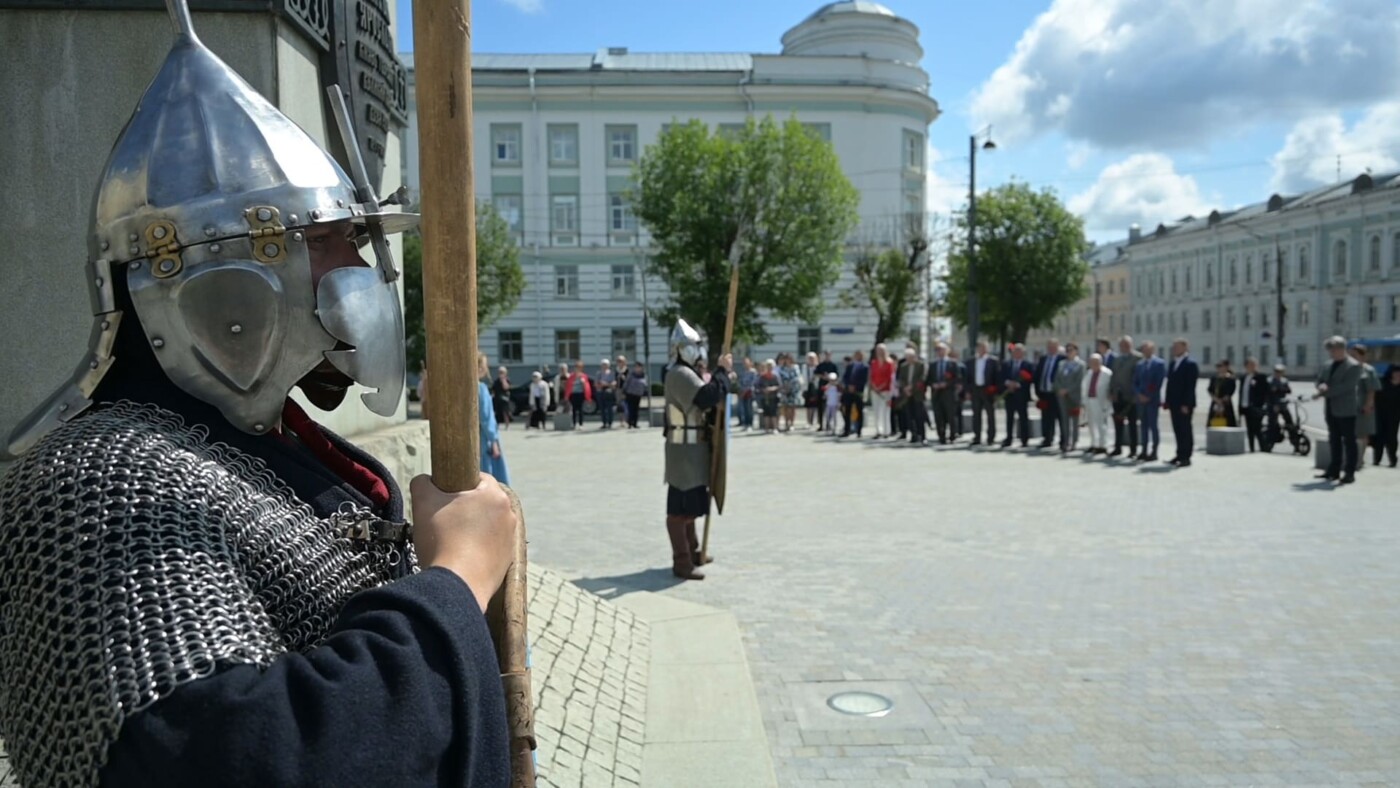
493	459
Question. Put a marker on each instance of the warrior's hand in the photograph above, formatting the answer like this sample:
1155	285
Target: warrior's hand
470	533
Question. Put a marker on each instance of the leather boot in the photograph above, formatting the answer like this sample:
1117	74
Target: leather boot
682	565
695	557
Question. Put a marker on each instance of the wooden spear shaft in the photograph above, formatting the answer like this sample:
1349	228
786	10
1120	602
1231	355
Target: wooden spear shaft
442	60
721	419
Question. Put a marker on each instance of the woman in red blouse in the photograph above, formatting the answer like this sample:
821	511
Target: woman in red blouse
881	390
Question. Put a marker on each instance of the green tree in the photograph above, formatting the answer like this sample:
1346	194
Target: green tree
775	190
499	278
1030	262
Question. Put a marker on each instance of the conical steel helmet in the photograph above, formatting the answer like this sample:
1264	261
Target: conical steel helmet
686	343
205	207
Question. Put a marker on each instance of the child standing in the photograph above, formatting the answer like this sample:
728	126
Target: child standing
831	392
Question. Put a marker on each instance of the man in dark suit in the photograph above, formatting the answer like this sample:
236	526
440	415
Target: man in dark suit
1337	383
909	387
853	383
1181	401
1045	371
1016	382
1254	400
982	379
942	373
1125	401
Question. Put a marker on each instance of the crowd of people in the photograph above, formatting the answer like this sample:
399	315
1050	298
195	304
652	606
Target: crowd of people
1116	394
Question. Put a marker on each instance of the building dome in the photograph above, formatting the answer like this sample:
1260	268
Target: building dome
855	28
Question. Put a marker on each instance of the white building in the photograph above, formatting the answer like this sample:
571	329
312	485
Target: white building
1216	280
558	136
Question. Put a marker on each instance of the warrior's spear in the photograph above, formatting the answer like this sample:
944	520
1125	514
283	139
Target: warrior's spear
442	61
719	446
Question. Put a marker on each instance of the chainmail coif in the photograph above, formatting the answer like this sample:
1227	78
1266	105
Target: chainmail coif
135	556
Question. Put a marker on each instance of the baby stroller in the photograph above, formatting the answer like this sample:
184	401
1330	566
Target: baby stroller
1292	417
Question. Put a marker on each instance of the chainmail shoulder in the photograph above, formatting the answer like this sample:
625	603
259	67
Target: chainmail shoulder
136	556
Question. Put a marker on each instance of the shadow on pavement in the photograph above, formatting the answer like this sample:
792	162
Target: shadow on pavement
656	579
1321	485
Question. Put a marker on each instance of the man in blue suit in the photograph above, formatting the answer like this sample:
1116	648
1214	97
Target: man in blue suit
1148	377
1181	401
854	380
1049	403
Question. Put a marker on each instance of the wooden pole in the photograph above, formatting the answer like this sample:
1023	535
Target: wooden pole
442	59
721	420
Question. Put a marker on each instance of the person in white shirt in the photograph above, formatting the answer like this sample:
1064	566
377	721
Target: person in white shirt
1098	406
539	400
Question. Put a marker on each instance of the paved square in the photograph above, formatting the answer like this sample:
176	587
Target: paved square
1066	622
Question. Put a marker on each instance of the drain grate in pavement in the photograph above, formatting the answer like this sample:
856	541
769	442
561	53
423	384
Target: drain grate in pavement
876	707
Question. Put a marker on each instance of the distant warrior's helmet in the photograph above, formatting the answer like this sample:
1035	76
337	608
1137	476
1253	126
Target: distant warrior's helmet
686	344
204	208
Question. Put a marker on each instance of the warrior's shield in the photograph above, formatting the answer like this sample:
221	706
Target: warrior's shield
719	454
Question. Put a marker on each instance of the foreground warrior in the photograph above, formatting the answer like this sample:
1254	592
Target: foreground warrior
690	425
199	585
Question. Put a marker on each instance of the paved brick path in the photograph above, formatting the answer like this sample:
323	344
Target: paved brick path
1051	621
589	669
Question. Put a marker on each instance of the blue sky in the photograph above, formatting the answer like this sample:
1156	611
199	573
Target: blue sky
1132	110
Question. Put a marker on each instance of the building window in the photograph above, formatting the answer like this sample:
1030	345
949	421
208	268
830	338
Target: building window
809	339
1395	309
1304	265
1339	311
1339	260
1188	280
1205	356
1210	275
624	343
563	218
1205	319
1230	353
1171	321
622	144
566	345
1234	272
563	145
1149	324
505	144
512	346
1185	322
1304	313
1395	252
566	281
621	220
624	281
1137	324
1301	359
1263	270
1375	254
510	207
1249	269
1229	317
1283	266
913	151
1373	309
1264	315
1173	281
1244	316
1264	356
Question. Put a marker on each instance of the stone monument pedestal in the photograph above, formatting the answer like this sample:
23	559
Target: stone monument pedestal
1225	440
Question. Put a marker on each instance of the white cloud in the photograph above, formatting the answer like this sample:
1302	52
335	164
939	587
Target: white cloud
526	6
1309	155
1143	189
1158	73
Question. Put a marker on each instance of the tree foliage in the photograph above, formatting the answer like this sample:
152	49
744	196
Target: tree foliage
500	280
888	281
775	189
1030	262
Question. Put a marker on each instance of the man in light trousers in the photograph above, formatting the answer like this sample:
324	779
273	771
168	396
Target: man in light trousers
1098	404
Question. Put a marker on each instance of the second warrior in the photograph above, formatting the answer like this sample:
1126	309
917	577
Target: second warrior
690	430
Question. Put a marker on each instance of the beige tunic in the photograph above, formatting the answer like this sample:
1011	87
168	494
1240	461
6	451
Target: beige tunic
687	452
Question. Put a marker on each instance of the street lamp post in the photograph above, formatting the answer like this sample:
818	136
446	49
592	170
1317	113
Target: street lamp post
974	307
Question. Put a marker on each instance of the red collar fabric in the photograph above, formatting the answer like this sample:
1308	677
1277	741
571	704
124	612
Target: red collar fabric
364	480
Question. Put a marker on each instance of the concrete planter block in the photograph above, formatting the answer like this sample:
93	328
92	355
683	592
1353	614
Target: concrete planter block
563	420
1226	440
966	421
1037	431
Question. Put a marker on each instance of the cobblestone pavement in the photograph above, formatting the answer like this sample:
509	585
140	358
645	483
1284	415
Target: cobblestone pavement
1051	621
589	673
